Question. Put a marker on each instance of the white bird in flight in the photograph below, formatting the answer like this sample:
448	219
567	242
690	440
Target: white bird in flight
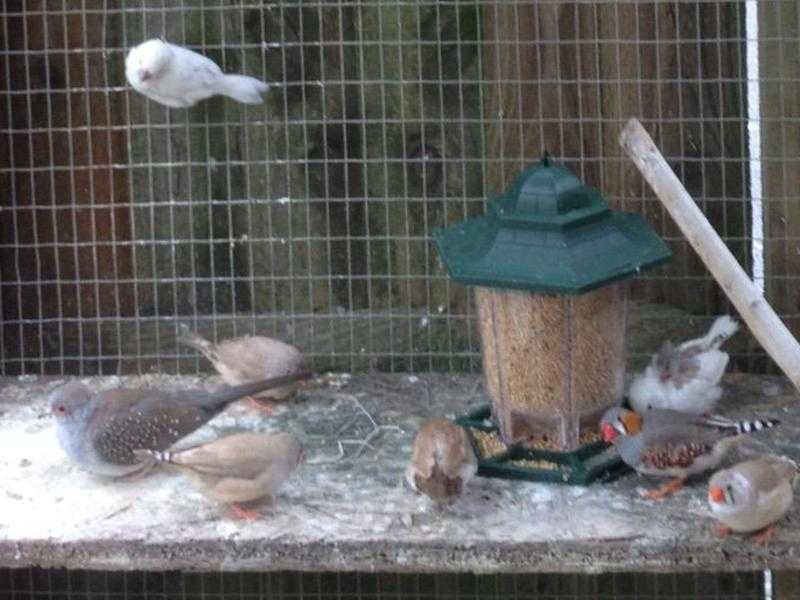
178	77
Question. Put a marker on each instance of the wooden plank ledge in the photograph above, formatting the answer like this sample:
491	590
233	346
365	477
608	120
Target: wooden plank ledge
354	514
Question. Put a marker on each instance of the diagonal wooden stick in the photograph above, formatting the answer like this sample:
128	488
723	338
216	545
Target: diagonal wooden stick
766	326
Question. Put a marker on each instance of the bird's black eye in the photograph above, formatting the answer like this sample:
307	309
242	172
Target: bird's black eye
729	494
61	409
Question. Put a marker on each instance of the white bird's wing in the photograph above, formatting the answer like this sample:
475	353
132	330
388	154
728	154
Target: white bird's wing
195	62
192	77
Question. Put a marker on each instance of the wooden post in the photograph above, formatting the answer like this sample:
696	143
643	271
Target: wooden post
766	326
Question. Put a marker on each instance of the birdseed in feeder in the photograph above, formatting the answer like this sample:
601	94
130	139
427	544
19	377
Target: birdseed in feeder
552	363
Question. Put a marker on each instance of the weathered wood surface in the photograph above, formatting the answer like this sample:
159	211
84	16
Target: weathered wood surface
354	514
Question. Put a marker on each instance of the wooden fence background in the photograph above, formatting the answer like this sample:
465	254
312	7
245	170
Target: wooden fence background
309	218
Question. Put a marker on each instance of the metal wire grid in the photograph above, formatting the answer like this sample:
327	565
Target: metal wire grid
310	218
40	584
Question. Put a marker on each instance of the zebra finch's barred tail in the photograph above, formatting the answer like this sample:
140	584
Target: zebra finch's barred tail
743	426
755	425
153	456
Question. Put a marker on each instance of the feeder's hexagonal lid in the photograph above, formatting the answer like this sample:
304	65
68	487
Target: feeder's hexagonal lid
549	233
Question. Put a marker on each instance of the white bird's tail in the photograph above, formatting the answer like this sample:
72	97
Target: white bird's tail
722	328
244	89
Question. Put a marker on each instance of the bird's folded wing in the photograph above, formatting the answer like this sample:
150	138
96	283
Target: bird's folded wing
219	461
152	423
675	453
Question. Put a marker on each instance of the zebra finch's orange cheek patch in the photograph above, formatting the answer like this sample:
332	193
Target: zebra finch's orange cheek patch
632	422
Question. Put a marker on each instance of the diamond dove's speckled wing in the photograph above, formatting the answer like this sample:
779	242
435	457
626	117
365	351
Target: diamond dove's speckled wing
141	419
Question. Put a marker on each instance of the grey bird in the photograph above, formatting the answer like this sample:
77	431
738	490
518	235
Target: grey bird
250	358
99	431
237	469
752	496
685	377
442	460
669	443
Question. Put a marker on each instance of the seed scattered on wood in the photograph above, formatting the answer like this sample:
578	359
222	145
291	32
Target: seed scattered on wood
489	443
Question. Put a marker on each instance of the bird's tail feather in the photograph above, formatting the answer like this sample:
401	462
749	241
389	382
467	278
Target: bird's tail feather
242	88
195	340
220	398
721	329
739	427
152	455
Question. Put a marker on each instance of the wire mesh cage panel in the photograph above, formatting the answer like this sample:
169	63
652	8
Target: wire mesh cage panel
309	217
41	584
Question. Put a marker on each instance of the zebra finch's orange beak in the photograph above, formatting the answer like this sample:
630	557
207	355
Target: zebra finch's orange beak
609	433
715	494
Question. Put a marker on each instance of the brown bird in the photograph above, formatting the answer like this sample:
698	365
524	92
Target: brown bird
250	358
99	431
442	460
237	469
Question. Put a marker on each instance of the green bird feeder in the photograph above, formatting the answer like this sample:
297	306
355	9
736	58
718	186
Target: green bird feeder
550	263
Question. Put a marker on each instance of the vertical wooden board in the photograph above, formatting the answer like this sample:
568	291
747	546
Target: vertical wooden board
283	224
786	585
65	189
409	144
780	138
421	143
246	235
586	68
633	58
162	142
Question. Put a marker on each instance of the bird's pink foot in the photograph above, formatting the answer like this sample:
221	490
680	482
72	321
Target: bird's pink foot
241	513
665	490
721	530
262	405
763	537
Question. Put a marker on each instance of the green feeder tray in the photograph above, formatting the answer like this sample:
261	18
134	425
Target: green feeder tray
588	464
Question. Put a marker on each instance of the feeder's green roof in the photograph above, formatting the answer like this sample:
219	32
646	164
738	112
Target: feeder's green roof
549	233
